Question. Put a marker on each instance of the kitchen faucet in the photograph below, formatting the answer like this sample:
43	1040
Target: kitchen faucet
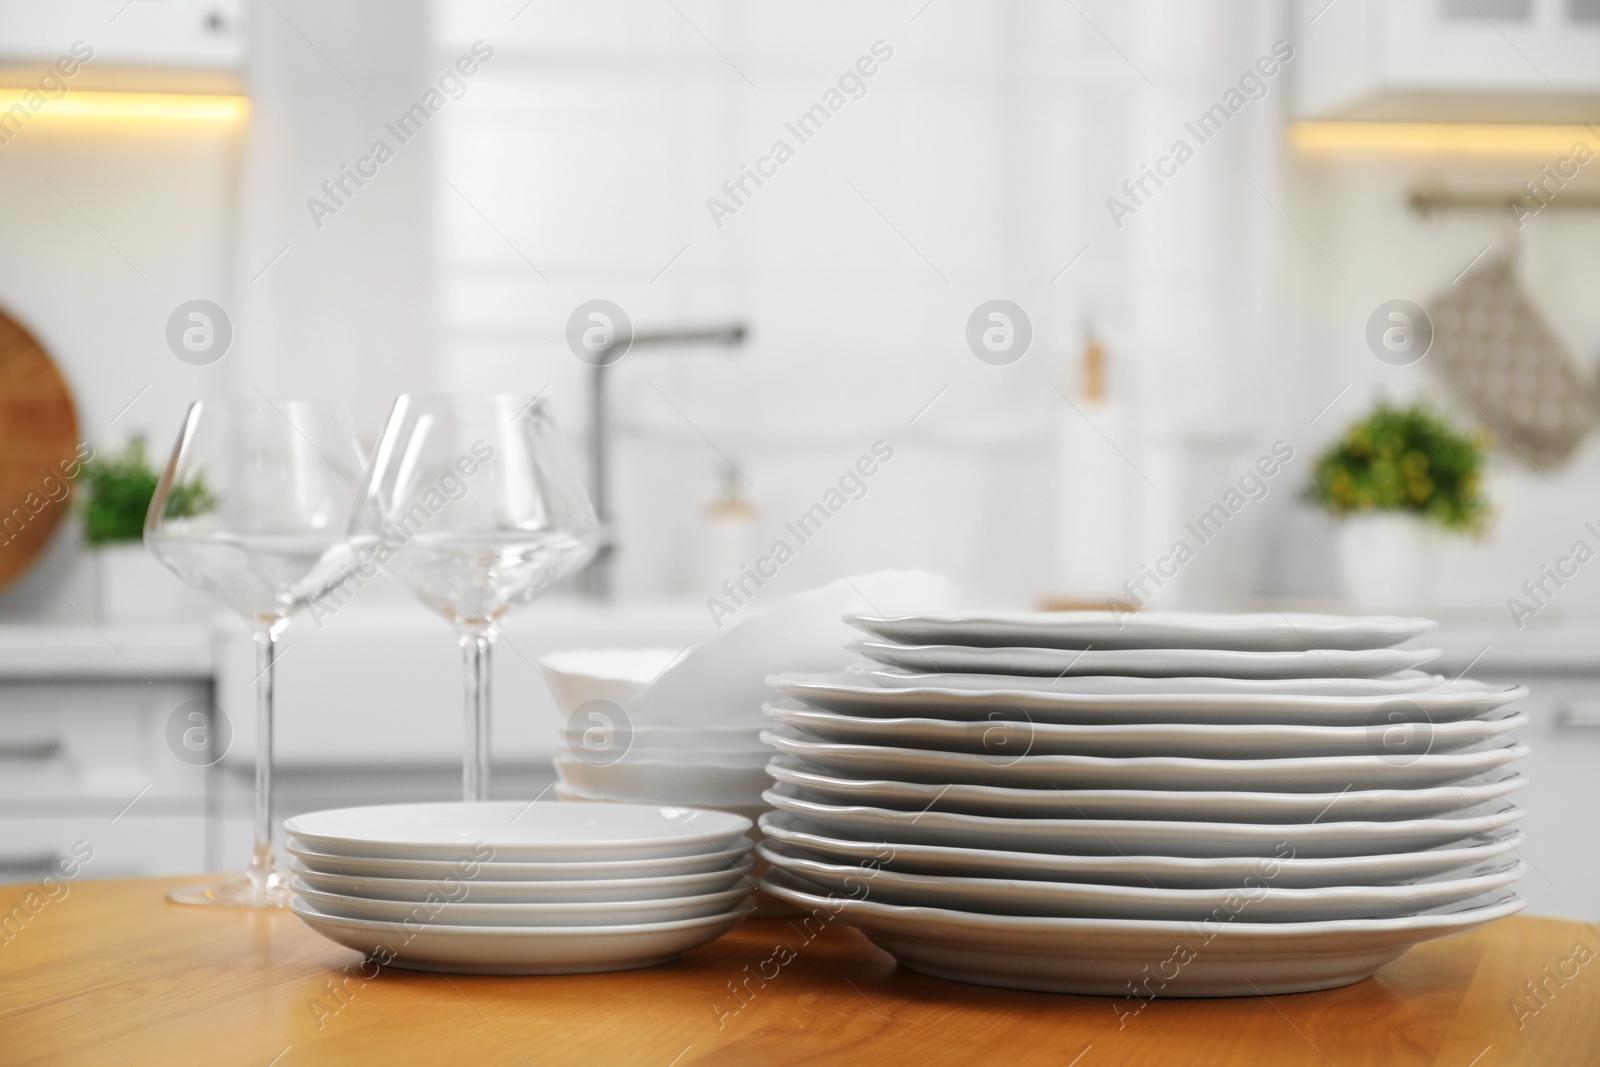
595	580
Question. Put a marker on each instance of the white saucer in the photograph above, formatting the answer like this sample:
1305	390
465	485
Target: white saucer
468	913
481	891
521	949
518	831
333	863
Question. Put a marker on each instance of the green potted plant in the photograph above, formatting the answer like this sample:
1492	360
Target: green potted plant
133	585
1395	479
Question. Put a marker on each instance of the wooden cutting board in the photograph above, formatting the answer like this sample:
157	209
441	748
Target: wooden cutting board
38	449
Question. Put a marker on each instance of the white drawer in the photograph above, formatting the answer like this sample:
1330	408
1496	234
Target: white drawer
89	746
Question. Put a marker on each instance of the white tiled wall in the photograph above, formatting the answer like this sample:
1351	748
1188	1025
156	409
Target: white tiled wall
976	166
1355	212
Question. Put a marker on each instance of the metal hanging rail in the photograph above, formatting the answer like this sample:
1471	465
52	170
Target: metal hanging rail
1428	200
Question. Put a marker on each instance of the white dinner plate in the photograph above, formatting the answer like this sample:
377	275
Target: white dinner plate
494	870
1111	684
843	693
518	831
1105	956
1174	872
1013	733
1148	662
1205	805
1162	837
468	913
1257	901
1155	629
478	891
1305	774
521	949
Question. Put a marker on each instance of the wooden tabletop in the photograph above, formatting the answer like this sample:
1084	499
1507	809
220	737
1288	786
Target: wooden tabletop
110	973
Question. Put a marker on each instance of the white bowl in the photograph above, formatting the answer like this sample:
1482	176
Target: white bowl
708	861
602	913
668	782
460	887
615	674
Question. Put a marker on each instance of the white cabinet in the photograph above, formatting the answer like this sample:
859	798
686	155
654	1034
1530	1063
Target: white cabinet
379	681
1349	52
173	44
370	701
371	713
98	726
91	749
1562	669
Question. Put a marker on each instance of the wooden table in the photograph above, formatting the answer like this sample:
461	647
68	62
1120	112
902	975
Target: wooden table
111	973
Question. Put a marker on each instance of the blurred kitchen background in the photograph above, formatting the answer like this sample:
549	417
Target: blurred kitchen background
1340	155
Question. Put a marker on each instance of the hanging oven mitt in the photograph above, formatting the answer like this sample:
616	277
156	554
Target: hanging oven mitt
1492	343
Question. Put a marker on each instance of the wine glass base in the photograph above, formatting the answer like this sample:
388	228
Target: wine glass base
236	892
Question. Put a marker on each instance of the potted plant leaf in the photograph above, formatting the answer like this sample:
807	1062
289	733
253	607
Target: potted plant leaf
1393	480
133	585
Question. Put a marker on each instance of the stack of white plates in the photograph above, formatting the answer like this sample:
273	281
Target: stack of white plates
513	887
1144	805
606	756
709	766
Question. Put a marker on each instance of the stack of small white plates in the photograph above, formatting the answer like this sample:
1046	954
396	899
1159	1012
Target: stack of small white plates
606	756
711	767
1144	805
513	887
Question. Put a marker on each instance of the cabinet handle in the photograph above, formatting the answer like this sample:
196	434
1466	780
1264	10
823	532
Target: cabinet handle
1584	714
36	751
42	863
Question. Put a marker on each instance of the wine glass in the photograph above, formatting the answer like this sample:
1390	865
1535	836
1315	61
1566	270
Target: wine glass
474	504
252	509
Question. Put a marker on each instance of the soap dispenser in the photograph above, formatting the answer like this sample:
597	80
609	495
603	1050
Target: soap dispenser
1094	498
730	529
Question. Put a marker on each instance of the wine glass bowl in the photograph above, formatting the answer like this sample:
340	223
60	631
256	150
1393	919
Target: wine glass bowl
252	506
251	509
475	505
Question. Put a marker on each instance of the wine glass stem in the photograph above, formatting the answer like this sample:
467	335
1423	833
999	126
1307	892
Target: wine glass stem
262	865
475	644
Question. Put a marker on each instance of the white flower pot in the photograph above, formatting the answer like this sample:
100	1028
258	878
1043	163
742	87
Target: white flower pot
1386	562
134	586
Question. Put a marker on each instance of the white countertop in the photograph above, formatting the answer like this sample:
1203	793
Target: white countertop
125	651
1496	648
105	651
